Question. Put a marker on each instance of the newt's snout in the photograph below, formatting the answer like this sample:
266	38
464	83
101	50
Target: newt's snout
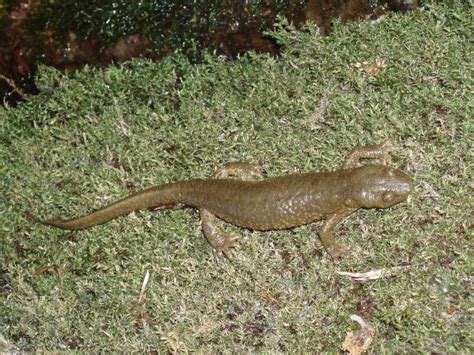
396	187
404	183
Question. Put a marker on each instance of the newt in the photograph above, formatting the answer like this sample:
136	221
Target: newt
273	203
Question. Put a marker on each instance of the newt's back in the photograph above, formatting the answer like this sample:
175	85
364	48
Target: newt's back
276	203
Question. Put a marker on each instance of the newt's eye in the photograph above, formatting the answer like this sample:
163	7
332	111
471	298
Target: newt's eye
388	197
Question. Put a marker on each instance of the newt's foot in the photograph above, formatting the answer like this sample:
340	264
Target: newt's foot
243	170
337	251
385	148
378	151
228	241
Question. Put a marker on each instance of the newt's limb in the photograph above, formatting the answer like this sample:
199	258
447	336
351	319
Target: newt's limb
378	151
220	240
335	249
242	170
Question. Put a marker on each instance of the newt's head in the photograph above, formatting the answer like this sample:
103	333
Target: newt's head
379	186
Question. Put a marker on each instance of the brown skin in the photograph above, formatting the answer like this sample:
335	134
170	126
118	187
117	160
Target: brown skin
275	203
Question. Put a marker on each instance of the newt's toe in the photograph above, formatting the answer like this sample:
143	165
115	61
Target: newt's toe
338	251
229	242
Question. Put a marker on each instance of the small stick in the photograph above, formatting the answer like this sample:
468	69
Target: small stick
12	84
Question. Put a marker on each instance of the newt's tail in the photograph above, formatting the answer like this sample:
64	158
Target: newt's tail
163	196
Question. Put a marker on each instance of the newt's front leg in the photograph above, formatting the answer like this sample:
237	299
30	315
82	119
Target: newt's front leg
220	240
378	151
334	249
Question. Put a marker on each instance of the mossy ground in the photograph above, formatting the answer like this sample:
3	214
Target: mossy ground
99	134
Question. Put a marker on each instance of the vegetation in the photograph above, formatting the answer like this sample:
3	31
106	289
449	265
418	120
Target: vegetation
93	136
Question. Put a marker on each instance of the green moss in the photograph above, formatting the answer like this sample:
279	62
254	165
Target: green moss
96	135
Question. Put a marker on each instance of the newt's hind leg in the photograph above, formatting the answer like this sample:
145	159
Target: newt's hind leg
220	240
243	170
378	151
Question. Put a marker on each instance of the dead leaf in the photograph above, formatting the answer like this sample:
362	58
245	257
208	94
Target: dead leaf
372	69
144	284
358	342
452	310
373	274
